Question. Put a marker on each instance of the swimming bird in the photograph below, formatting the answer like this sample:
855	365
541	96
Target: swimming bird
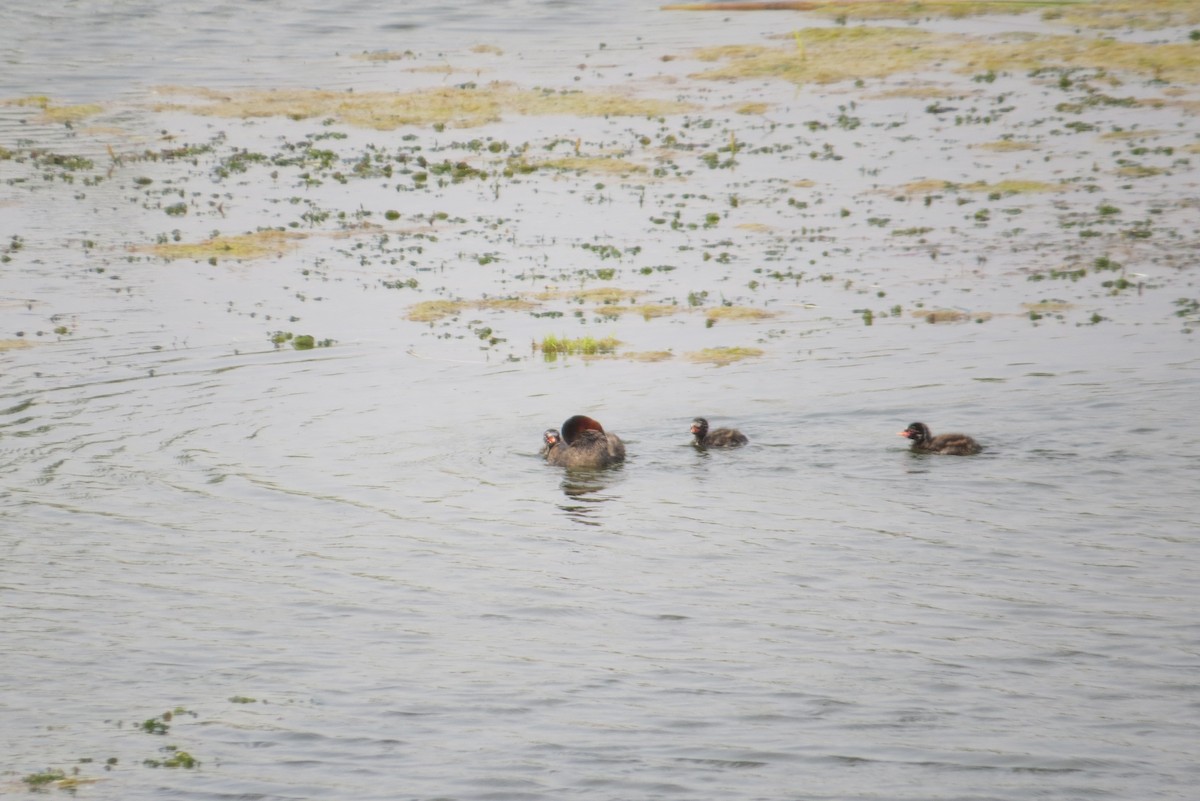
948	444
583	443
718	437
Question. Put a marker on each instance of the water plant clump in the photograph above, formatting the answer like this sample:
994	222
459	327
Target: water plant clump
238	247
467	105
41	779
552	346
175	758
723	356
830	55
431	311
732	313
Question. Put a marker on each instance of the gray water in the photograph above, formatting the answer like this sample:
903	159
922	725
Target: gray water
346	572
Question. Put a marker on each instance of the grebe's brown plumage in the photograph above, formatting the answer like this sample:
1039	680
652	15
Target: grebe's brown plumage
923	441
718	437
583	443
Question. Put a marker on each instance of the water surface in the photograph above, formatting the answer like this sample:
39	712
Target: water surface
346	572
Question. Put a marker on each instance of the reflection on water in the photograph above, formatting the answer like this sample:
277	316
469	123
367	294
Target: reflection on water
589	489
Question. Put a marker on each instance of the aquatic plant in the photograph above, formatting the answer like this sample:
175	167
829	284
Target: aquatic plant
39	780
839	54
176	758
240	247
429	311
551	345
723	356
466	105
718	313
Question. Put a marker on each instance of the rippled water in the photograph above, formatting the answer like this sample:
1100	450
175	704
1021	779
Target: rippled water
352	577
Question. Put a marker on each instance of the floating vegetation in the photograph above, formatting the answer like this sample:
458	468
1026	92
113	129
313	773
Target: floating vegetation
507	304
649	355
464	106
299	342
1012	187
725	355
385	55
603	164
1047	307
53	113
1098	14
606	295
241	247
882	9
1005	146
1144	14
551	346
39	780
649	311
718	313
175	759
942	315
829	55
430	311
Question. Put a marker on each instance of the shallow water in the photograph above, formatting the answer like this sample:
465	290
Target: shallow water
349	572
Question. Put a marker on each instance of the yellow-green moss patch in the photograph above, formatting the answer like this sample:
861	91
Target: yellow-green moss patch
606	164
1005	146
1144	14
724	356
508	304
737	313
600	294
927	186
384	55
588	346
648	355
430	311
882	9
648	311
1139	171
1048	306
1012	187
70	113
458	106
53	113
828	55
942	315
1101	14
240	247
